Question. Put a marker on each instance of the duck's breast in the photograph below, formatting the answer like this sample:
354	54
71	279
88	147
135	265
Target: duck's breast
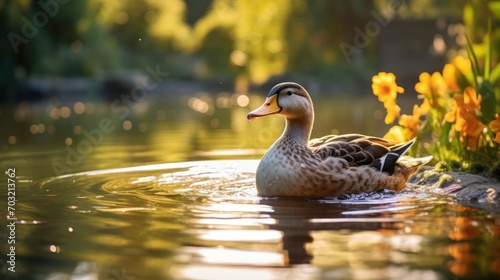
285	171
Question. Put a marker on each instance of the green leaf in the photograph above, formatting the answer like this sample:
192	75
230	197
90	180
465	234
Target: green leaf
487	58
494	7
473	59
464	80
488	104
495	74
468	16
444	134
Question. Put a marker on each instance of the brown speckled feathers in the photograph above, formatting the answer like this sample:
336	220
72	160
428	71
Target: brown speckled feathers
356	149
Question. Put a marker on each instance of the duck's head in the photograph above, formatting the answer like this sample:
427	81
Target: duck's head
289	100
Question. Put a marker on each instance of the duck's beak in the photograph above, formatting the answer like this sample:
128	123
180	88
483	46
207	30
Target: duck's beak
268	108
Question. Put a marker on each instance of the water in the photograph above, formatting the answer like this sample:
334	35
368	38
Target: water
177	201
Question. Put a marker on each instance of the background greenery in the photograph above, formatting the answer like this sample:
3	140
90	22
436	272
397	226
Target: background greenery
245	42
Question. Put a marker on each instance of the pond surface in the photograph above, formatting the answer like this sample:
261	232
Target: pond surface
169	193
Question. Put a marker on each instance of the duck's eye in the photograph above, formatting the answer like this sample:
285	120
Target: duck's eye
289	92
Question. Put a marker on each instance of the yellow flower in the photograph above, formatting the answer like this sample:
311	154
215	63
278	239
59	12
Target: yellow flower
425	107
464	118
463	68
472	100
450	77
462	64
384	86
411	123
392	110
396	133
431	87
495	127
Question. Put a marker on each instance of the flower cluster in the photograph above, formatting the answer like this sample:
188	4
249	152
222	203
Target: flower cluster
463	116
495	127
385	88
451	110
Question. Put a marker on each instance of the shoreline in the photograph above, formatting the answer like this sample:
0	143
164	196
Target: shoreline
466	189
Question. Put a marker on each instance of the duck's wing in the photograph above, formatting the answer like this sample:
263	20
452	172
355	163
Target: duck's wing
358	150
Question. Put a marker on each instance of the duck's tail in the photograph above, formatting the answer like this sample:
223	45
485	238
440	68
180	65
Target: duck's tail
410	164
387	163
406	166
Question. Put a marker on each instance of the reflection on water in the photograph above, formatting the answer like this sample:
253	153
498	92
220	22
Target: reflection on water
139	205
83	135
203	220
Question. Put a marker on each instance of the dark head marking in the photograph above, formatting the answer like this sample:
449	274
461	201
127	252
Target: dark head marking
279	87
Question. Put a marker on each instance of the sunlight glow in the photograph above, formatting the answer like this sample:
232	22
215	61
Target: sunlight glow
242	235
206	272
228	256
230	207
407	243
236	222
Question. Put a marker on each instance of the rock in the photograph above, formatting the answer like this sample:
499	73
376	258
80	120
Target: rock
467	189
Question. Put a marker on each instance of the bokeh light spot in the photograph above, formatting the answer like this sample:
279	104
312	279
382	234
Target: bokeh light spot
76	46
143	127
33	129
242	100
214	123
41	128
79	108
238	58
65	112
77	130
121	18
54	249
54	113
127	125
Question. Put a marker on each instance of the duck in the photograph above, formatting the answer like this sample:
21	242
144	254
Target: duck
333	165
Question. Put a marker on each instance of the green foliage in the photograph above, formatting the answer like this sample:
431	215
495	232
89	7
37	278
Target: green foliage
219	39
458	120
479	168
444	180
227	39
451	165
61	40
494	172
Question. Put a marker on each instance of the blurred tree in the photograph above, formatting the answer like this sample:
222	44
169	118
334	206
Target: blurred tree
51	39
222	39
167	21
196	9
213	38
326	30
